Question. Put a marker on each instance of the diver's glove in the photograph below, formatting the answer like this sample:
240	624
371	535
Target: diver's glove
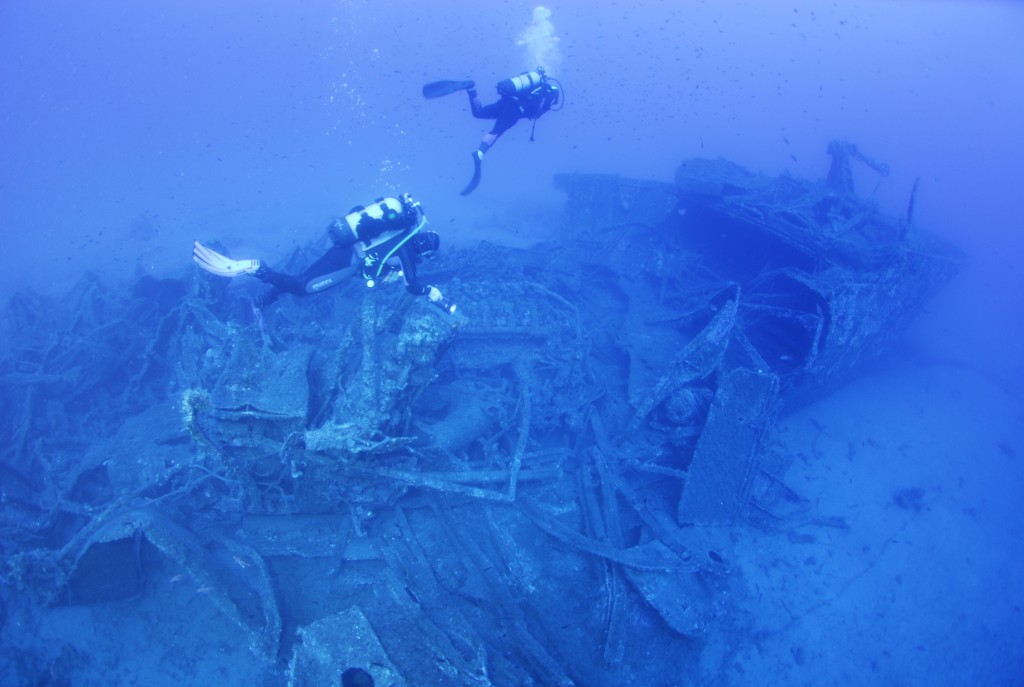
435	296
223	266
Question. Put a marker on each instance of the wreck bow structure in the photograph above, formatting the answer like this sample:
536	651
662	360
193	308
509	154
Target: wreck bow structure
532	491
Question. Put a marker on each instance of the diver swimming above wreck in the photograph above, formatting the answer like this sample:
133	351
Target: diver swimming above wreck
389	231
526	96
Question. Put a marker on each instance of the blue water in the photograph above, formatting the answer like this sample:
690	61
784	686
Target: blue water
130	129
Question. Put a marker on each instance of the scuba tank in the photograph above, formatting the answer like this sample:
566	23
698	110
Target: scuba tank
392	213
381	230
524	83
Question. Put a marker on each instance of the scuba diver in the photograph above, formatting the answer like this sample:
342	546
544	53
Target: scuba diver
388	237
528	96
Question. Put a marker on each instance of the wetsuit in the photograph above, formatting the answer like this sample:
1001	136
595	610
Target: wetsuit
511	108
384	231
330	270
504	112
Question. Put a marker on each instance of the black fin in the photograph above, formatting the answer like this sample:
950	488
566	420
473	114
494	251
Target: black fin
475	181
436	89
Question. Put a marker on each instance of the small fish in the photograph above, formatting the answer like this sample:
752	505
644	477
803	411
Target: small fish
177	578
242	563
204	590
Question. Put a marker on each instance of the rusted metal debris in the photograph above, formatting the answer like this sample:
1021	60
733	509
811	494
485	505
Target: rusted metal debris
500	497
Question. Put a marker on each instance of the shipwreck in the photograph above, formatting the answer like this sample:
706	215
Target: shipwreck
531	491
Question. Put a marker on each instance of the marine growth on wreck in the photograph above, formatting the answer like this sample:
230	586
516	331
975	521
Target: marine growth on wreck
535	490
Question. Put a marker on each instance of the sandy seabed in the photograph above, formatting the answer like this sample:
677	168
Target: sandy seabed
907	568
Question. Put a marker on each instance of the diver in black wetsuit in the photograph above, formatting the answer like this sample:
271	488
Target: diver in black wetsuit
527	96
389	231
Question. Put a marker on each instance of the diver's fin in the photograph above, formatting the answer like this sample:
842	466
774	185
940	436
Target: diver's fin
475	181
436	89
215	263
